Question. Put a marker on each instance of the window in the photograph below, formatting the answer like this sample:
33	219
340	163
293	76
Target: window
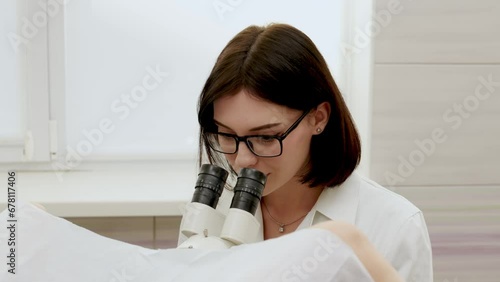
134	69
100	85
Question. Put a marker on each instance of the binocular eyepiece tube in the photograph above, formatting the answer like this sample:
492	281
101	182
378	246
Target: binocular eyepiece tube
207	227
247	191
209	186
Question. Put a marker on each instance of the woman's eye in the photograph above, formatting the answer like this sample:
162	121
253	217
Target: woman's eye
266	139
224	137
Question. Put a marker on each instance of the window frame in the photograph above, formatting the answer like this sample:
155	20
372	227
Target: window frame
32	59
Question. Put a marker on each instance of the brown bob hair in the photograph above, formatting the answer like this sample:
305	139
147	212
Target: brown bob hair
280	64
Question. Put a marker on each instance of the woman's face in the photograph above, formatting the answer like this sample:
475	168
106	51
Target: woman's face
243	114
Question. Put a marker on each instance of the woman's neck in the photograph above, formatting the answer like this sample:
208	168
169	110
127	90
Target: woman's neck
292	198
284	210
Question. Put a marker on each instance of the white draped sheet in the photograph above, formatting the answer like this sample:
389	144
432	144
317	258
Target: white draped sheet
52	249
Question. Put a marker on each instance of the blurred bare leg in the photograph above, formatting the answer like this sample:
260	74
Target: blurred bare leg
374	262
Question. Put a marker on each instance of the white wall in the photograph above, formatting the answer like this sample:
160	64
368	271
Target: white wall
436	126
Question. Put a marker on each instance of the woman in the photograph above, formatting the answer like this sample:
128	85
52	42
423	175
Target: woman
270	103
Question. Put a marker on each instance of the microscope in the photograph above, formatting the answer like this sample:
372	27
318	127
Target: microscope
208	228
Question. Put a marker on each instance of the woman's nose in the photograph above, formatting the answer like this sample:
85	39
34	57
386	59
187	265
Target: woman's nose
245	157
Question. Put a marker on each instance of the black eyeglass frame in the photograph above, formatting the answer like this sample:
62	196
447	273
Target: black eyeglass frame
280	138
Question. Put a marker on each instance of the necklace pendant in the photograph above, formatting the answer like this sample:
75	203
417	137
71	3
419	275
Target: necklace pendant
281	229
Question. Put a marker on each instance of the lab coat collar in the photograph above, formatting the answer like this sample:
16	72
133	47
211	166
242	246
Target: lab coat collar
334	203
338	203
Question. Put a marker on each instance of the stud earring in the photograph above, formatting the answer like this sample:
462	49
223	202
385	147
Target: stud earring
318	130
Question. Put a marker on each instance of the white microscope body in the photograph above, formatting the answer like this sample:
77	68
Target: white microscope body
206	227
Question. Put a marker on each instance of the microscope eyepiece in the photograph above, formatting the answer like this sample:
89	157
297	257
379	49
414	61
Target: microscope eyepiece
202	223
248	190
210	184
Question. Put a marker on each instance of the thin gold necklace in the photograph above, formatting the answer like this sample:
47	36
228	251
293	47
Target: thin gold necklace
281	228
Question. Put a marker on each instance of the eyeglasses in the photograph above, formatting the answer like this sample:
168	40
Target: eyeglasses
260	145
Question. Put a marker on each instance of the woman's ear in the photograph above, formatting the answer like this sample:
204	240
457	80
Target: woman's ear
321	117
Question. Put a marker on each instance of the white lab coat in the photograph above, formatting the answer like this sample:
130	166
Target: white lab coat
395	226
